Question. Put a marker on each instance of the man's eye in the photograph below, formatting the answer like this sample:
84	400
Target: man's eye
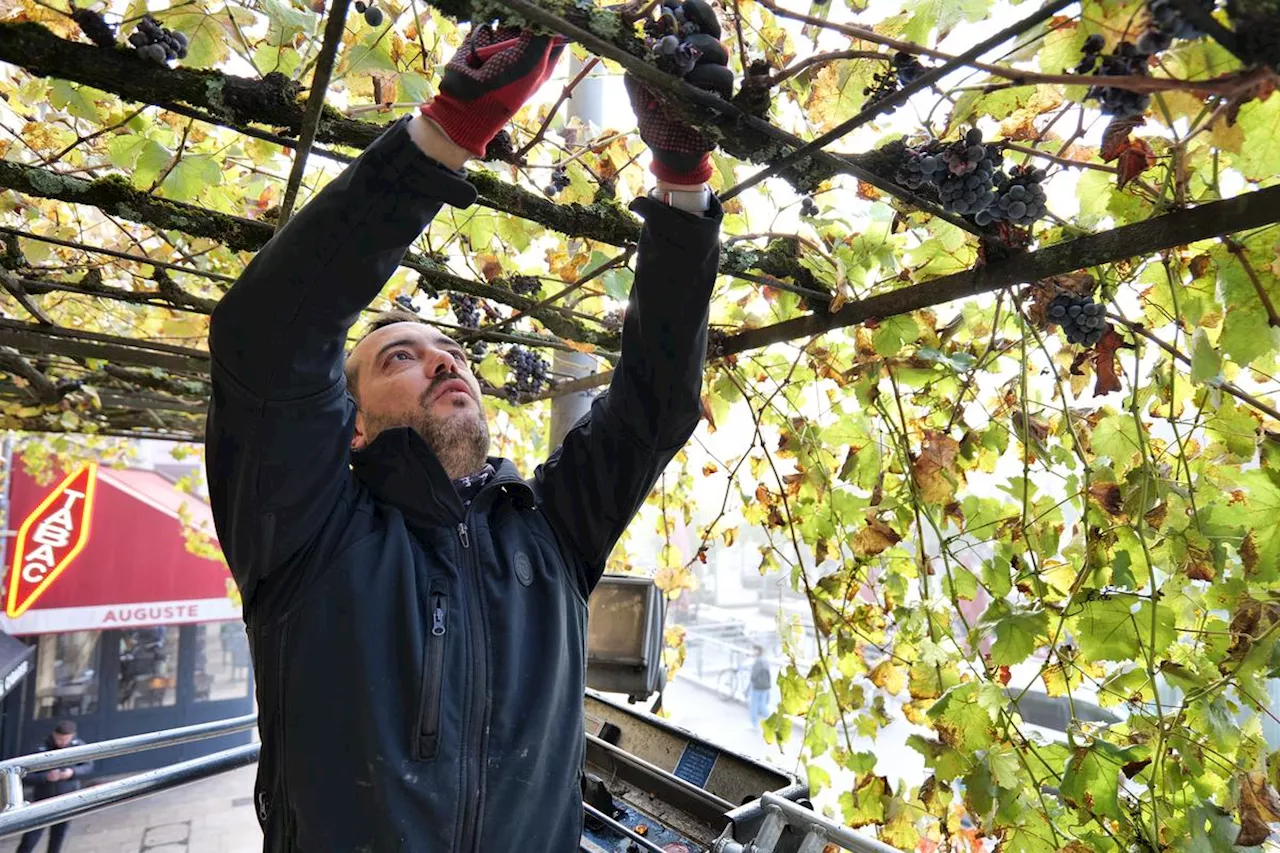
459	357
395	355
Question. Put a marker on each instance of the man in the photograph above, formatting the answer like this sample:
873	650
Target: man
416	609
54	782
758	691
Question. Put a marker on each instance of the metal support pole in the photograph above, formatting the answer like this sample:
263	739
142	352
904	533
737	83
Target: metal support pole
586	103
11	796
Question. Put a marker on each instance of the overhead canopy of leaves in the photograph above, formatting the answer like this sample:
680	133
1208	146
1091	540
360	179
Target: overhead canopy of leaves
976	510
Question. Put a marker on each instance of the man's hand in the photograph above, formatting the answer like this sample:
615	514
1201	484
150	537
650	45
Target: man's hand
680	151
488	80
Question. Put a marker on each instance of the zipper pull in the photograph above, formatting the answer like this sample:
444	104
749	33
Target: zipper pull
437	616
462	534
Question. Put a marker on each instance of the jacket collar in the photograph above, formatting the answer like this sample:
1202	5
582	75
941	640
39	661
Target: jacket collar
399	468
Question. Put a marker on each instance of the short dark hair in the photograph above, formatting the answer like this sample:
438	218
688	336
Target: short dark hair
380	320
65	727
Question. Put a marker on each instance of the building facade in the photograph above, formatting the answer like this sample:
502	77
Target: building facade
131	631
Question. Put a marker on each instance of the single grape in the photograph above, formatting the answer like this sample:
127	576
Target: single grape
1094	43
373	16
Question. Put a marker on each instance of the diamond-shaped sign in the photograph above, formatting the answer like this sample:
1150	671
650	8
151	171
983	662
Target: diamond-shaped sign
50	538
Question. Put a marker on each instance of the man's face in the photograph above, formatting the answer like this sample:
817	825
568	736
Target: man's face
410	374
61	740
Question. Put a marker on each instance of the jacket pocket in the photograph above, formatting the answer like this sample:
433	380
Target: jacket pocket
427	736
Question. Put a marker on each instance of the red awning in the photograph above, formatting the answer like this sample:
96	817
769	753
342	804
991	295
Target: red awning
105	548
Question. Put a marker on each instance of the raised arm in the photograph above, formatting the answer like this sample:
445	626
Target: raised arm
595	482
280	420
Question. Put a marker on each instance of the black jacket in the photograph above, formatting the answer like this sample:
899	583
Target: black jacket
43	789
420	668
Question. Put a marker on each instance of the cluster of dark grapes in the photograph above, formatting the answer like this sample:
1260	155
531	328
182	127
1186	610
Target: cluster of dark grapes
970	180
907	67
808	207
904	69
477	349
687	36
1020	198
922	166
559	180
466	308
406	303
1166	24
501	148
969	169
523	285
372	14
92	25
1079	316
530	369
1126	60
156	43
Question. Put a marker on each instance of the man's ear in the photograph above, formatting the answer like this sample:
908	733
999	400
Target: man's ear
359	438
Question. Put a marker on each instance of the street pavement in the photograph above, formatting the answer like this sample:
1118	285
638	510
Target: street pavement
216	815
211	816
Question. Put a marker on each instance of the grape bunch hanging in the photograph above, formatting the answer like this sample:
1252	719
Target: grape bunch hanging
154	42
466	308
1166	23
529	369
405	302
1083	320
904	69
685	41
559	180
969	178
525	285
1126	60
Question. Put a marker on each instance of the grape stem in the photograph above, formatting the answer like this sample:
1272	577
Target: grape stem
1231	388
1236	249
742	44
565	93
1065	161
822	58
334	29
1225	85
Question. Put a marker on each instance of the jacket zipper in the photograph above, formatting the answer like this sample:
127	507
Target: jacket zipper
433	675
474	791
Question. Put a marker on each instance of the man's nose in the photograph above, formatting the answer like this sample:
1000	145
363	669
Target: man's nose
439	362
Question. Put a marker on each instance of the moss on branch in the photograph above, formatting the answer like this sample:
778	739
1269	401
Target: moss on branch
116	196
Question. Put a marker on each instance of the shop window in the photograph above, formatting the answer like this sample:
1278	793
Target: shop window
148	668
67	674
222	662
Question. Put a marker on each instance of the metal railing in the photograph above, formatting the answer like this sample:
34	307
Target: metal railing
17	815
818	832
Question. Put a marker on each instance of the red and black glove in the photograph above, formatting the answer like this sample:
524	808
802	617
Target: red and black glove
488	80
681	153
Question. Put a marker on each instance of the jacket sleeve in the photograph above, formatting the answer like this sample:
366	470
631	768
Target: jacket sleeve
279	427
594	483
84	768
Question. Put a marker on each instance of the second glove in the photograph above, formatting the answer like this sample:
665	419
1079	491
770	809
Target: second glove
488	80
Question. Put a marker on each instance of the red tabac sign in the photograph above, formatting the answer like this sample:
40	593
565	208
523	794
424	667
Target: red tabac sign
50	538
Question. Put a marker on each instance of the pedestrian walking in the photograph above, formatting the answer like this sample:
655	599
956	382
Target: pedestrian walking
51	783
758	693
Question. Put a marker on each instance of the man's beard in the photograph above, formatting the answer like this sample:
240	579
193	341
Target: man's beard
459	440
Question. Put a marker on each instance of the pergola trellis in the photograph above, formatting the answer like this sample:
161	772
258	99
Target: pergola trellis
151	388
